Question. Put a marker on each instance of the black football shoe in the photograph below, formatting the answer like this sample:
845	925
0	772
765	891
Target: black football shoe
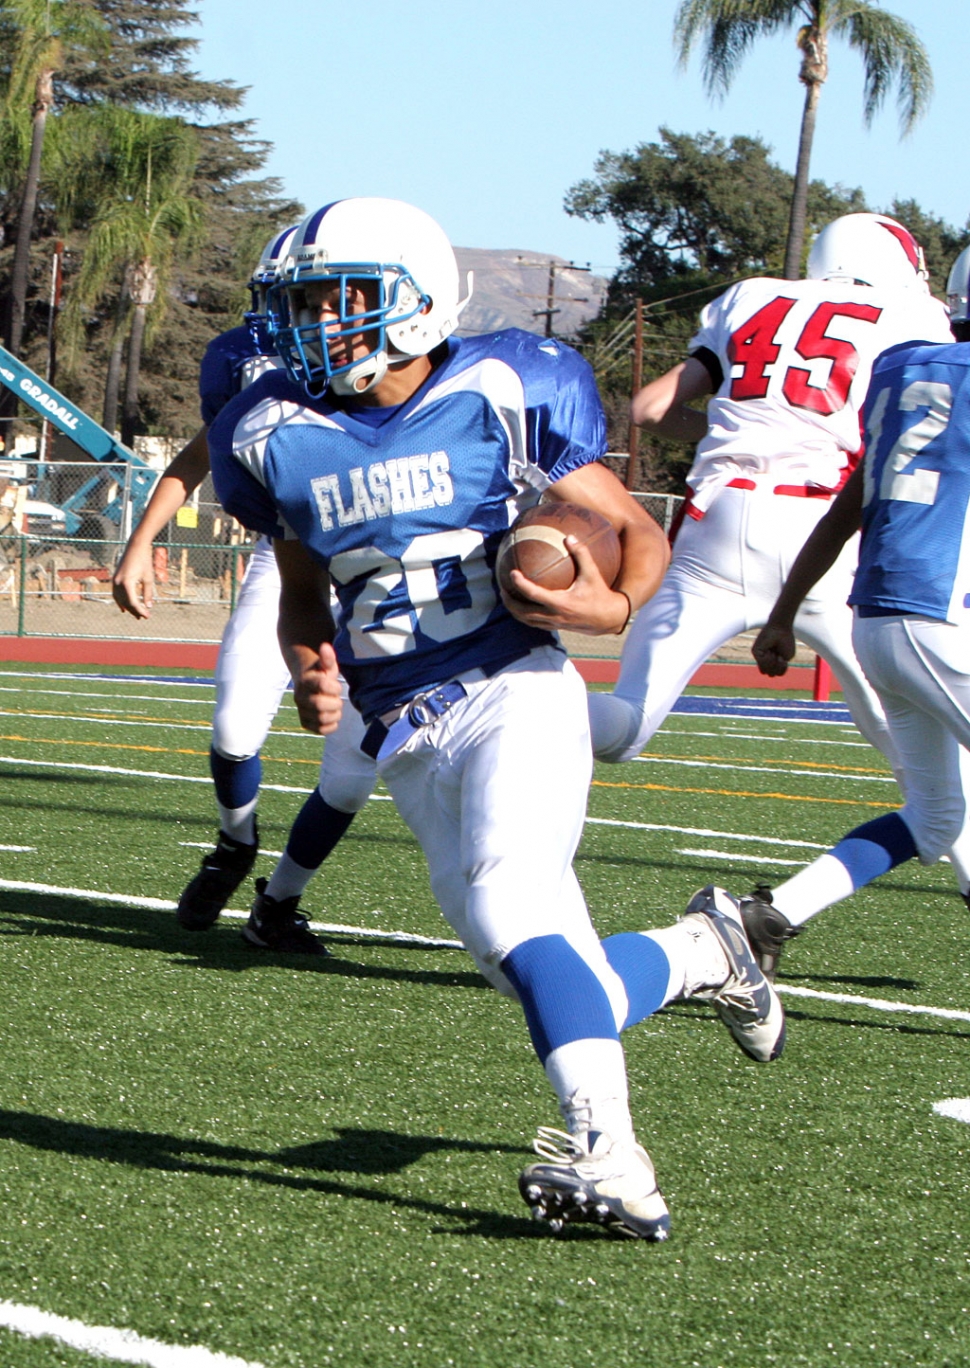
278	924
223	870
766	928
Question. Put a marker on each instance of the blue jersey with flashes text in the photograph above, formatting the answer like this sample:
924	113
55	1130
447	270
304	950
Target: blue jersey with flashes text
406	508
230	363
915	552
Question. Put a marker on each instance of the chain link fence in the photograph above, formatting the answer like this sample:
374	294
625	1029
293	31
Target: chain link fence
63	526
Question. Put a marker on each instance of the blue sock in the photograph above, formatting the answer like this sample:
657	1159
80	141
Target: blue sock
317	829
562	998
874	848
237	781
645	970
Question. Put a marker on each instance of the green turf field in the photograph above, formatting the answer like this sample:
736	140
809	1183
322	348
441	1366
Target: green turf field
308	1163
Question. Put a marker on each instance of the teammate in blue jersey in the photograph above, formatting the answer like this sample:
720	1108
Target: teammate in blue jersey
911	601
389	463
251	676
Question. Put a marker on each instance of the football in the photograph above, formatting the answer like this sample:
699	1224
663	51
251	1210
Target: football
535	544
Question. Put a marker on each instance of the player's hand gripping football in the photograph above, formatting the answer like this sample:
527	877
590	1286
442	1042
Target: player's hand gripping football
317	693
589	605
773	648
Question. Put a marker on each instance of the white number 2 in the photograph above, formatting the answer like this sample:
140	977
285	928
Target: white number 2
918	486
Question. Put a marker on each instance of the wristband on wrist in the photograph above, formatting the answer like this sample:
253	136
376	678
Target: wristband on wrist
629	612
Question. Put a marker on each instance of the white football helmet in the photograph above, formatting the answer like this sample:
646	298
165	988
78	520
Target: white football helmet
407	266
957	288
871	249
265	274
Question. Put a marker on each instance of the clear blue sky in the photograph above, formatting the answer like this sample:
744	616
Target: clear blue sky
485	114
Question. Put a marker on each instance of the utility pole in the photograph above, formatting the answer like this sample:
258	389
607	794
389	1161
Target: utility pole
550	310
633	441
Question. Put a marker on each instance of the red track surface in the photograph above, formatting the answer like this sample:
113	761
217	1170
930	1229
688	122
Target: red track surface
175	655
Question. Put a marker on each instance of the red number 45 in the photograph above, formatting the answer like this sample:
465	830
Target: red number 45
754	347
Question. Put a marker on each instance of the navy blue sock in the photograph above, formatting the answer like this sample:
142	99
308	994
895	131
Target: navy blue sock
562	998
317	829
875	847
237	781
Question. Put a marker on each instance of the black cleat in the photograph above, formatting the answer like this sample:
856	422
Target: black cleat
223	870
280	925
766	928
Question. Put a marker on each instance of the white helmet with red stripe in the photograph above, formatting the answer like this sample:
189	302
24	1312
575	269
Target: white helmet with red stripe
871	249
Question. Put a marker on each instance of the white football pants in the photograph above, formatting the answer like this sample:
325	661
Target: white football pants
921	670
725	575
495	792
252	677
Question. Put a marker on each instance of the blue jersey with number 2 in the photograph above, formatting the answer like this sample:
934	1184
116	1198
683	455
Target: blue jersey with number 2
407	513
915	552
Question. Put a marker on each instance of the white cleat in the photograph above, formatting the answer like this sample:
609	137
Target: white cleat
746	1002
591	1177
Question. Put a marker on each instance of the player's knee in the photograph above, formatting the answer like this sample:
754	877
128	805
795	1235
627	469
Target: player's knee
347	792
232	744
617	728
935	827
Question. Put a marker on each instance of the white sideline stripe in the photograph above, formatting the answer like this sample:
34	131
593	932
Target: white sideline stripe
703	831
766	769
99	679
27	849
104	1341
742	855
879	1004
166	905
405	938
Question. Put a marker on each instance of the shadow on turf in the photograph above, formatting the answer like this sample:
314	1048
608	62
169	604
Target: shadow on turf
135	928
365	1153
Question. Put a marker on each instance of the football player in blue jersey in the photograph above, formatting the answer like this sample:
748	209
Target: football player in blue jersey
251	676
388	463
911	631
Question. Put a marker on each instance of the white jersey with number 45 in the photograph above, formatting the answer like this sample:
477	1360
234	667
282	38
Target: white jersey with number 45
790	361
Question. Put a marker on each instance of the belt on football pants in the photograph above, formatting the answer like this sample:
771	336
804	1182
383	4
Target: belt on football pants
400	723
688	509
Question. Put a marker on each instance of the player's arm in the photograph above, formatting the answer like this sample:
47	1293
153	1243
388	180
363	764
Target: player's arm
663	405
133	583
590	605
305	631
775	644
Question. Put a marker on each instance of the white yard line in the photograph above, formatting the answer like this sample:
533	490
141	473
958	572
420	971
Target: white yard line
705	831
742	855
136	774
166	905
438	942
765	769
104	1341
877	1004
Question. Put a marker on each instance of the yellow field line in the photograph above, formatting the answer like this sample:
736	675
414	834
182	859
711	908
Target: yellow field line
801	764
741	793
153	750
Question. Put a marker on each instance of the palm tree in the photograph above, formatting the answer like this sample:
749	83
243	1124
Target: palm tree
891	51
143	166
40	29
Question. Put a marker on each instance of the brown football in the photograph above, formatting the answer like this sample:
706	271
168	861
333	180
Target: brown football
535	545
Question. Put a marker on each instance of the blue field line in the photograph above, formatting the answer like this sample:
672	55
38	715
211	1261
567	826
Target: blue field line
770	709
